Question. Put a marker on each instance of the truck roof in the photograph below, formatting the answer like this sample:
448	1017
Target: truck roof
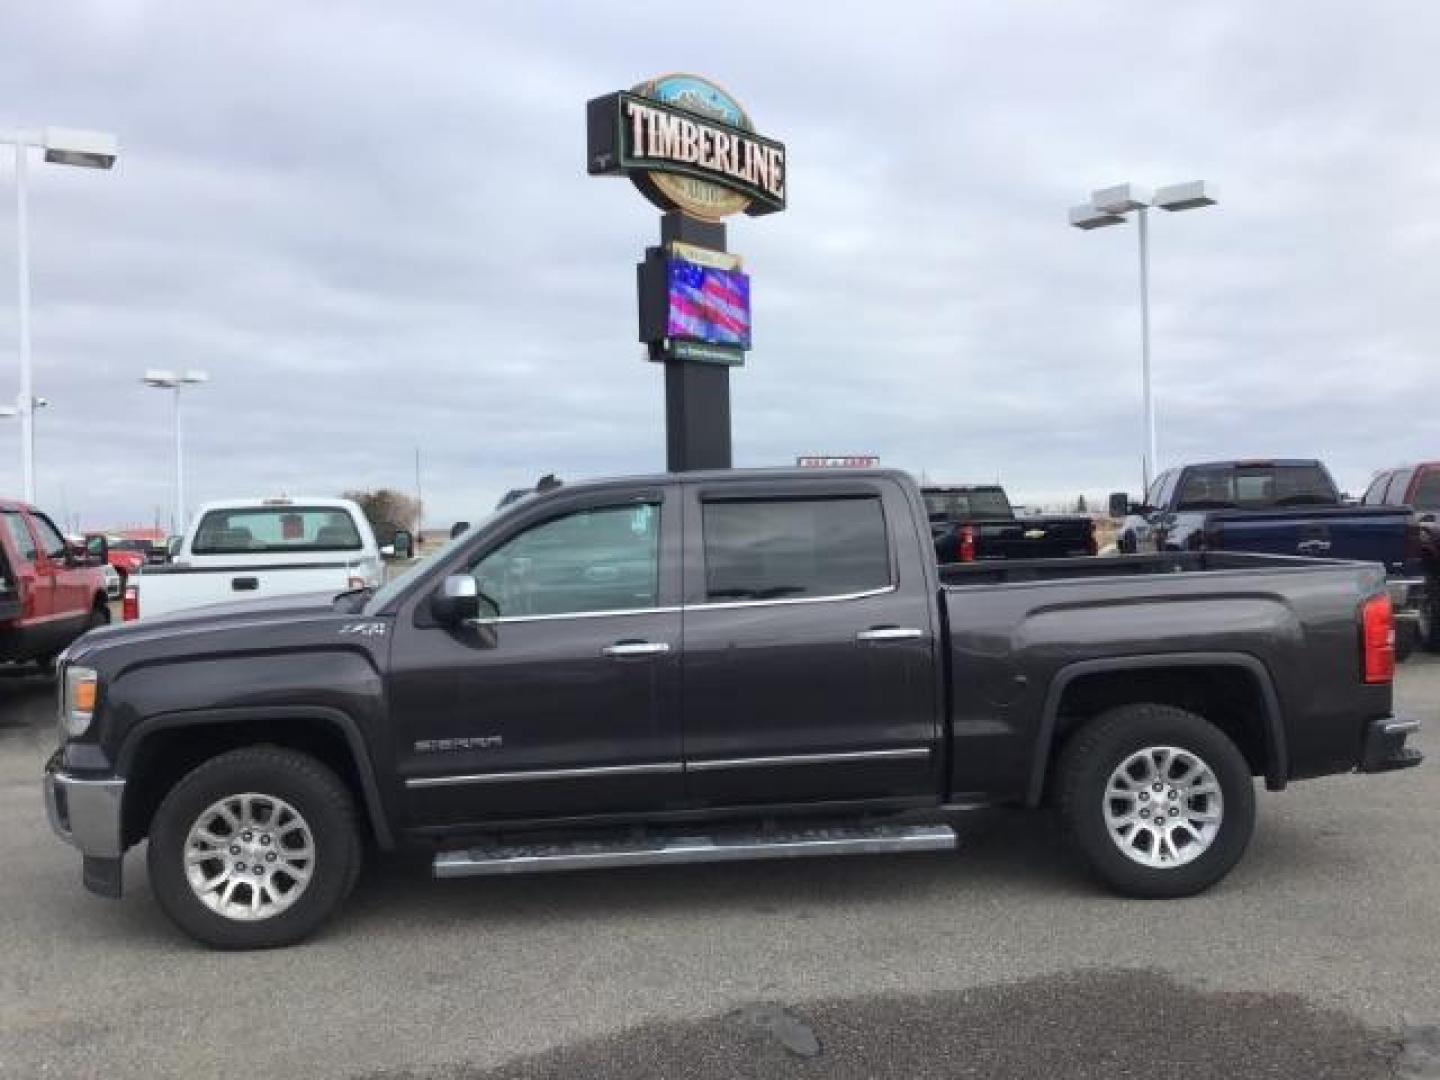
1253	463
711	476
324	501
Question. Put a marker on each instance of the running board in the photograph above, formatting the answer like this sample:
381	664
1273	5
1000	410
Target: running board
727	847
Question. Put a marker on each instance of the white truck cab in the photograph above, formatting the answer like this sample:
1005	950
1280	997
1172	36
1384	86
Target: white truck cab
247	549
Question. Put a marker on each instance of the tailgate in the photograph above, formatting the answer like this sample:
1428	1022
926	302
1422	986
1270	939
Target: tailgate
1363	533
1034	538
161	590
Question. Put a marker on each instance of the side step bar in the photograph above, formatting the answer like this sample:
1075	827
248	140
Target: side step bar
727	847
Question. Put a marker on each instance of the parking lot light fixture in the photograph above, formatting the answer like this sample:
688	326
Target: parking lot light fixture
1111	206
175	381
60	146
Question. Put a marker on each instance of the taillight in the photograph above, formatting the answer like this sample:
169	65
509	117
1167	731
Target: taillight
130	606
1377	640
966	551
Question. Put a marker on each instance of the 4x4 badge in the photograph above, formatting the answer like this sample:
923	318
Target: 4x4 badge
366	629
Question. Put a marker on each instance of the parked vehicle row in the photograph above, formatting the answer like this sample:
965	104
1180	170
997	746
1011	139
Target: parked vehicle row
711	667
1283	507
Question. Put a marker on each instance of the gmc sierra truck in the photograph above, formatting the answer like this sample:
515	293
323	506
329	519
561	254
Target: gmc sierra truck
705	667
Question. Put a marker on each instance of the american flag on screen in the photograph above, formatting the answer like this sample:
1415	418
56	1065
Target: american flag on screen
708	304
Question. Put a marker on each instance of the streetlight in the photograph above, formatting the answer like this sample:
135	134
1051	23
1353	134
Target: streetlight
1108	206
62	146
176	381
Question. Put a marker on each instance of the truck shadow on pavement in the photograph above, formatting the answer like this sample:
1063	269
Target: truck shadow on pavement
1004	856
1098	1023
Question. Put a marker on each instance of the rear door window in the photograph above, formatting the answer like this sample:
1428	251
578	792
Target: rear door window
775	549
1375	493
1399	485
1427	492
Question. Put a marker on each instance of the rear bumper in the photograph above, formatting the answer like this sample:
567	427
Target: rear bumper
86	814
1385	749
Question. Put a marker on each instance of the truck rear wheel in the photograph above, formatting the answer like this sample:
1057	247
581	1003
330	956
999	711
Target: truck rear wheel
1158	801
254	849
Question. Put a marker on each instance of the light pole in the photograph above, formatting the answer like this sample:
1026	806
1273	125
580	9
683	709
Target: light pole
88	149
176	381
1109	206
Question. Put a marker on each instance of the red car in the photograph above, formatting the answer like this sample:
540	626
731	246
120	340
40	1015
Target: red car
127	556
51	591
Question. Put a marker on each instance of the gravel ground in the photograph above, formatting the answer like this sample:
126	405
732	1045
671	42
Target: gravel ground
1317	957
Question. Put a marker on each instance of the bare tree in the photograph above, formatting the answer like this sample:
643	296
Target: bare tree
387	510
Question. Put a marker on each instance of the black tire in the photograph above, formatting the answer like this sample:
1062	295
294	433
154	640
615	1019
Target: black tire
1096	752
323	803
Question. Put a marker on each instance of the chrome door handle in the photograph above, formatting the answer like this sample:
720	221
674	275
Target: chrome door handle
635	648
890	633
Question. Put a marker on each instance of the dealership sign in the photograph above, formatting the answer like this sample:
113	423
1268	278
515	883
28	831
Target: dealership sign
688	146
837	461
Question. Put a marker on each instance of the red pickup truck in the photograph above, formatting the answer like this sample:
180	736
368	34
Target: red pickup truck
51	592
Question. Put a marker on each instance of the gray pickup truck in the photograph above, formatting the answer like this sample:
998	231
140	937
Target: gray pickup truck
704	667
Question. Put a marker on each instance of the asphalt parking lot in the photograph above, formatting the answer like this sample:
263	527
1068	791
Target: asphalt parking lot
1317	957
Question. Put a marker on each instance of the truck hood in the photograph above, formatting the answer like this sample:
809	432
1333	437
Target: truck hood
245	615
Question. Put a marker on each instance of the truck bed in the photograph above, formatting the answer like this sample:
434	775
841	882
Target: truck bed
959	575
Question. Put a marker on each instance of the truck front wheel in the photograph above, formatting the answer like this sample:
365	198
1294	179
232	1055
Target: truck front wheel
1158	801
254	849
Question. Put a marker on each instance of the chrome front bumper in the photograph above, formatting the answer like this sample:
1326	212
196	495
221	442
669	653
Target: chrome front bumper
87	814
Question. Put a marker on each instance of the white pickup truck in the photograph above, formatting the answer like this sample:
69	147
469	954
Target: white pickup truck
246	549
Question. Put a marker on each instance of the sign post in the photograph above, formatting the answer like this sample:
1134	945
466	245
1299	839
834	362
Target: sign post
690	149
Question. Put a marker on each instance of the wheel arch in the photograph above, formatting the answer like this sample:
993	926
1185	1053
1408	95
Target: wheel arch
163	748
1167	678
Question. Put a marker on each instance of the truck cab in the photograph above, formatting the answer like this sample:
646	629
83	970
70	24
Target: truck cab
51	591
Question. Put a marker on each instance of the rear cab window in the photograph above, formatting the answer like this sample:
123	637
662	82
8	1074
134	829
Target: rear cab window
1259	486
944	505
767	549
276	530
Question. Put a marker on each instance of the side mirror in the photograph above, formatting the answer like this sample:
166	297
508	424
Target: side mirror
97	550
173	544
1119	504
402	547
458	528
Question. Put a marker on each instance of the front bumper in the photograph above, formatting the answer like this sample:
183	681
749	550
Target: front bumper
1385	748
1407	597
87	814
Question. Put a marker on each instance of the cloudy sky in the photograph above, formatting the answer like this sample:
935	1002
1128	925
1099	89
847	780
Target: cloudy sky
370	223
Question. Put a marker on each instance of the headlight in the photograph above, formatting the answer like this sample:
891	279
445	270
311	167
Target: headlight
79	693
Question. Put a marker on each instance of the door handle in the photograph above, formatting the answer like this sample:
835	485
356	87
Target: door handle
622	649
890	633
244	584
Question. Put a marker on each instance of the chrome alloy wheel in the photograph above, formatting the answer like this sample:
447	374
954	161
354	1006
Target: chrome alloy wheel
1163	807
249	857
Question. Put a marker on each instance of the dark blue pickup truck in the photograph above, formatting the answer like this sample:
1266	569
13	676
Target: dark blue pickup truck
1276	507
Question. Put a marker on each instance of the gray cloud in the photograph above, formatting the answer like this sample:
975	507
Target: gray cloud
371	224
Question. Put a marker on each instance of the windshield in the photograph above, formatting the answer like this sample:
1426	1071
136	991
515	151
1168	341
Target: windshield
288	530
958	505
1255	487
